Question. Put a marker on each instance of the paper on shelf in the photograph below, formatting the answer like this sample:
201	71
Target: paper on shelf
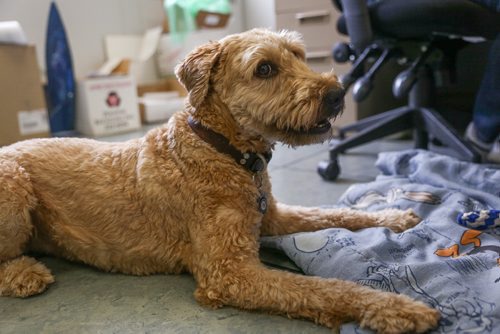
11	32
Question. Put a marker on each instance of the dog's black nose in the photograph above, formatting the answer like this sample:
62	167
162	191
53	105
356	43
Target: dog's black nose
333	100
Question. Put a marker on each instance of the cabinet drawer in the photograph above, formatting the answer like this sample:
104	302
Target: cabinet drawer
283	6
318	27
319	61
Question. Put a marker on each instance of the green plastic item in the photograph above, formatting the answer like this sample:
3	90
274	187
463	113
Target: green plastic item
182	14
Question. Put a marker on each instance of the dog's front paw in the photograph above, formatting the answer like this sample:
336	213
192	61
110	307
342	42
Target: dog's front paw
399	314
24	277
398	220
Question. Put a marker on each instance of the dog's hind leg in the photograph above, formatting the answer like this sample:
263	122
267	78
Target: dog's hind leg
20	276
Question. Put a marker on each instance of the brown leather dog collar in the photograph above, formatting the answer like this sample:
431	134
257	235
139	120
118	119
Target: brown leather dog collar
253	162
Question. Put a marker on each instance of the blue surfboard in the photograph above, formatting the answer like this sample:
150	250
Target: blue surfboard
60	77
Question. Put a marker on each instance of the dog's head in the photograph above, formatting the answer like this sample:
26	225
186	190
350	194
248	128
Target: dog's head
262	80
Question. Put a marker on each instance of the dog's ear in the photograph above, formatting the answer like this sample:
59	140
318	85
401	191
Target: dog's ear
194	71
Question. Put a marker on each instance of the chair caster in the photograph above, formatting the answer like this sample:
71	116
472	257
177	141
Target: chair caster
337	141
329	170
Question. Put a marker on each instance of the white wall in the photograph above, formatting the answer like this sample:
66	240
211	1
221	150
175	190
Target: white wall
86	21
259	14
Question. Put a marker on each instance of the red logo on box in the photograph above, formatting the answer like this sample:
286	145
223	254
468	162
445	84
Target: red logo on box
113	99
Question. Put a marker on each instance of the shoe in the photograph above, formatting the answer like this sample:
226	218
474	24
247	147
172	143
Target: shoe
490	152
494	154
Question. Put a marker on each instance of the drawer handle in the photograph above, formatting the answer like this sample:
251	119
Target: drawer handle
315	14
318	55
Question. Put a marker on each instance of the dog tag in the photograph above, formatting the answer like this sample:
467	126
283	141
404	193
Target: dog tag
262	203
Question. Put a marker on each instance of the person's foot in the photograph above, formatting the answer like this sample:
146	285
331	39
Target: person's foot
494	154
489	151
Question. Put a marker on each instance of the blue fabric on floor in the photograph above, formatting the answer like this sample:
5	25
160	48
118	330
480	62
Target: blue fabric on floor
440	262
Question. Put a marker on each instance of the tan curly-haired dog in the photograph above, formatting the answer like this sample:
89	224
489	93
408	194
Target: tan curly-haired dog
194	195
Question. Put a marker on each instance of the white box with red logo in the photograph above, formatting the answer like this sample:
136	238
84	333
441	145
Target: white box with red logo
107	105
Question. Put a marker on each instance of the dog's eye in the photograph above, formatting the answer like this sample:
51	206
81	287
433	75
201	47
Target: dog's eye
265	70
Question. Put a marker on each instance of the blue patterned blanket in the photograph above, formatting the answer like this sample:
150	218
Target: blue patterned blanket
451	260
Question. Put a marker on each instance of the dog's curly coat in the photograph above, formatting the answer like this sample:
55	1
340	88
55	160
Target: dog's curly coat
170	203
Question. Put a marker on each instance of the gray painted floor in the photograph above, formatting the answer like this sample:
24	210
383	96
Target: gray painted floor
85	300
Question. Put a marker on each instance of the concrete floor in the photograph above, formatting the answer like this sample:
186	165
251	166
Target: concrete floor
85	300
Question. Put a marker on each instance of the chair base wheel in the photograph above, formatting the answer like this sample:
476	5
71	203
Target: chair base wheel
329	170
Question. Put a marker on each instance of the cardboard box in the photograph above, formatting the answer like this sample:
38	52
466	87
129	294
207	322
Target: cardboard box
210	20
171	52
23	113
138	51
165	85
107	105
159	107
160	100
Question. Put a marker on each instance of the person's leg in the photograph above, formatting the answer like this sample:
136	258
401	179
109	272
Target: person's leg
486	117
494	5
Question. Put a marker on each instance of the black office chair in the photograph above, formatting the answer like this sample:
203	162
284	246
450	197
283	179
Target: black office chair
381	31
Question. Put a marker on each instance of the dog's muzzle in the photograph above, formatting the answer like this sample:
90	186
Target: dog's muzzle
332	106
333	103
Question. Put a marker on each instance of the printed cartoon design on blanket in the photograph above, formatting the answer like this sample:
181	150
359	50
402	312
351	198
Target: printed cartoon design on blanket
462	282
308	244
462	312
374	197
480	219
471	204
470	237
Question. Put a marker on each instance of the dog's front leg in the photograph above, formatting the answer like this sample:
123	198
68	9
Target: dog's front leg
283	219
227	269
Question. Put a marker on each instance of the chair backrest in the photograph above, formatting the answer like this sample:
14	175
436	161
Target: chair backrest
416	20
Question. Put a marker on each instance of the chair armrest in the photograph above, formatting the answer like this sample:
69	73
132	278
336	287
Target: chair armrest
358	23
